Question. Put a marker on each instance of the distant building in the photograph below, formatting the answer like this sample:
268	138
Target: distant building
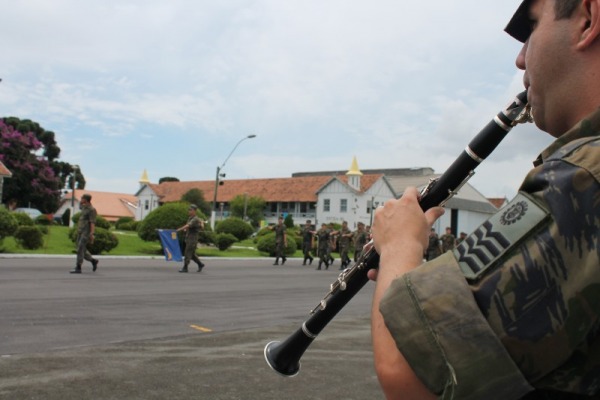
4	173
324	196
111	206
498	202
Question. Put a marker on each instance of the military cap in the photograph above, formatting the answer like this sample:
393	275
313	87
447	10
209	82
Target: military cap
519	25
87	197
193	207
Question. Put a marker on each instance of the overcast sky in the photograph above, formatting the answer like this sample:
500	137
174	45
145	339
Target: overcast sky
171	86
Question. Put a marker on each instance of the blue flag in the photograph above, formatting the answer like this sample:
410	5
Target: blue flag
170	244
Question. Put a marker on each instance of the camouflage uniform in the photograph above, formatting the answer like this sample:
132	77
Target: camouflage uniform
87	217
345	237
191	242
526	316
433	247
307	244
360	239
448	241
323	235
279	244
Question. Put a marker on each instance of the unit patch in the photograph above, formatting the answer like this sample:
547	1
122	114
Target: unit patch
480	250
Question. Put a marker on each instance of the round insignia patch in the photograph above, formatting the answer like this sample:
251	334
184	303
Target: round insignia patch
514	213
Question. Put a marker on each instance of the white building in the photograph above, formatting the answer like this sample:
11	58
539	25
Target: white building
325	196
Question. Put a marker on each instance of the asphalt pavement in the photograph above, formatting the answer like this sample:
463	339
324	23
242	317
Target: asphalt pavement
198	336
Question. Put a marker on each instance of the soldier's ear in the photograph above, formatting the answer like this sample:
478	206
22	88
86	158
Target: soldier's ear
588	18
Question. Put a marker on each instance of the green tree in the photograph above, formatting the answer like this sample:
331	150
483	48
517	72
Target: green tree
167	179
196	196
254	206
31	154
288	221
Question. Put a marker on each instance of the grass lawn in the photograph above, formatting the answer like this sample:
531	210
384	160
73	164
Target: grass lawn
57	242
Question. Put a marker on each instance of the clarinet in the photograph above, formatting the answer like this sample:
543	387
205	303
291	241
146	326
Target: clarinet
284	357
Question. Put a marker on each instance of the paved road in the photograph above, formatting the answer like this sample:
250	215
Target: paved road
137	329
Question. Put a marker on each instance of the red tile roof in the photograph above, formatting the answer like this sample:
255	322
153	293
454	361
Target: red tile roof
498	202
4	171
299	189
111	206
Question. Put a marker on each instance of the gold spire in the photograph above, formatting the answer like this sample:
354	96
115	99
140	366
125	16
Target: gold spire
144	178
354	170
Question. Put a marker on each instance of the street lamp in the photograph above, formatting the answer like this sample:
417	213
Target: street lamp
217	181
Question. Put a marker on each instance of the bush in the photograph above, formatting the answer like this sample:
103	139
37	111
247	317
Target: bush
23	219
225	240
8	223
167	216
104	240
101	222
266	244
44	219
29	237
128	226
264	232
235	226
207	236
124	221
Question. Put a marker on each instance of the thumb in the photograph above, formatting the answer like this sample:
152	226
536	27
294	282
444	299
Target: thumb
433	214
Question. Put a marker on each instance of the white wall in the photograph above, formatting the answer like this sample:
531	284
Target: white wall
147	201
357	203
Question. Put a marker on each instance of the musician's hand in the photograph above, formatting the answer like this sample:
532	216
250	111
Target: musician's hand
401	228
372	274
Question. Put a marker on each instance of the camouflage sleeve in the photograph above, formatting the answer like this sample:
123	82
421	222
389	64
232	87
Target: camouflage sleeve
194	224
93	215
440	331
515	306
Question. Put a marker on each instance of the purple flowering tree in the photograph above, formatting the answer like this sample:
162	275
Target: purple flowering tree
31	154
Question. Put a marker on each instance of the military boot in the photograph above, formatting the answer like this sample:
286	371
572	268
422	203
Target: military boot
76	270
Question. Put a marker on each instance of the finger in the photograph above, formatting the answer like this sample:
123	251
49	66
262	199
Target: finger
372	274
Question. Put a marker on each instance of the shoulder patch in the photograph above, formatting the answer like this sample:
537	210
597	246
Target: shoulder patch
482	248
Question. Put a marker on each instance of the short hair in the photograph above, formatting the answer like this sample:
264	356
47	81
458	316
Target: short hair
87	197
565	8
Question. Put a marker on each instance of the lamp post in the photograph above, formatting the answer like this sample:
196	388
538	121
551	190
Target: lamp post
217	181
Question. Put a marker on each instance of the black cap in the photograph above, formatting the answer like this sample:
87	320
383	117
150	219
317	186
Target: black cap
519	25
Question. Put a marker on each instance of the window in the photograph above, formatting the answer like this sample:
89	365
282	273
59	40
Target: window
326	205
343	205
146	204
